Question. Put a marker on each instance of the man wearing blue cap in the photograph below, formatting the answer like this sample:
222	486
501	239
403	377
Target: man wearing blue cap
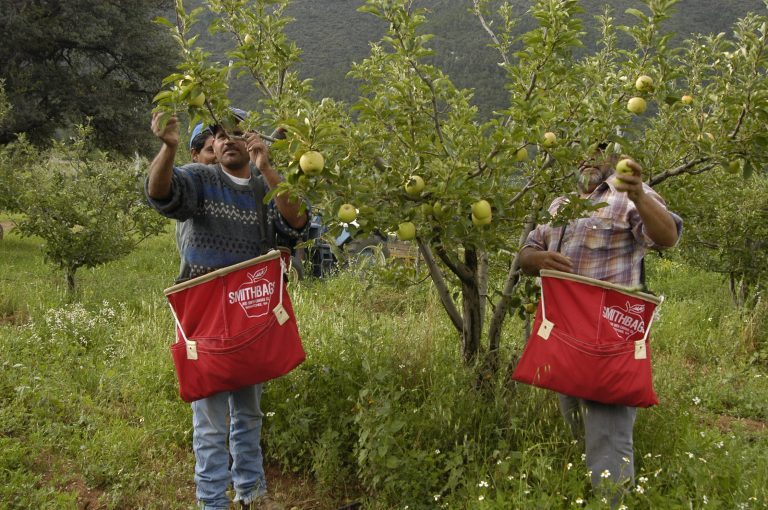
201	145
226	222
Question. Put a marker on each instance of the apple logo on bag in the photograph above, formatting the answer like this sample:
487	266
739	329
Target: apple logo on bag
626	322
254	295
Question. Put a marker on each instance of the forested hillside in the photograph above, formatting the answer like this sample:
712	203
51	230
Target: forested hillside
333	35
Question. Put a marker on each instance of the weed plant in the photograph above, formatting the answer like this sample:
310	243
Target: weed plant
383	409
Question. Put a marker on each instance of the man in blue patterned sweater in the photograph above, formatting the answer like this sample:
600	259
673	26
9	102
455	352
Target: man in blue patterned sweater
226	222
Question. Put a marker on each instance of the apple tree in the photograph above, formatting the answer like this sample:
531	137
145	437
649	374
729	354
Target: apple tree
413	157
88	207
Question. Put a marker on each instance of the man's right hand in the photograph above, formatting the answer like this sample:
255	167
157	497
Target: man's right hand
533	260
169	133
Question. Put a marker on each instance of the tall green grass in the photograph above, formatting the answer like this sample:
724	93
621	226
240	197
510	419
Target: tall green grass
382	411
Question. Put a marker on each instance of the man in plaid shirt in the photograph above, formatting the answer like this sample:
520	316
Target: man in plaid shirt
609	245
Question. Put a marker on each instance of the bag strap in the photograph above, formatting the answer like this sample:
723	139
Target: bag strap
266	229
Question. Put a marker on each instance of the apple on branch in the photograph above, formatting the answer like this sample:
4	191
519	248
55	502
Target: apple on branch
644	83
414	186
637	105
197	101
481	209
406	231
347	213
549	139
479	222
311	162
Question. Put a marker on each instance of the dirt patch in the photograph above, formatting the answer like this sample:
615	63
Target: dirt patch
728	423
5	227
300	492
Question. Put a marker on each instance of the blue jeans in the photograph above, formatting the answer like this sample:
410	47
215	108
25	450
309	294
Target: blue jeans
209	441
607	433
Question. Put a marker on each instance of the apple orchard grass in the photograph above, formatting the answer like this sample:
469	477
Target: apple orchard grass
382	410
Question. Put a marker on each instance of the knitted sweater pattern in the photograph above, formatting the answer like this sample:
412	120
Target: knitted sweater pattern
222	222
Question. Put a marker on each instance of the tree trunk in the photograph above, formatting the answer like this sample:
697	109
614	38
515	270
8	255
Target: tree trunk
482	285
69	274
471	309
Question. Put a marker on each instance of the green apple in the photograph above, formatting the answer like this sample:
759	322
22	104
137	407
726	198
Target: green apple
637	105
644	83
347	213
521	155
549	139
311	162
406	231
414	186
248	39
686	99
481	209
197	101
733	166
479	222
439	211
623	168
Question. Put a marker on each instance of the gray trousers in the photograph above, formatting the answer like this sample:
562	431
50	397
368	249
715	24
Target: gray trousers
607	433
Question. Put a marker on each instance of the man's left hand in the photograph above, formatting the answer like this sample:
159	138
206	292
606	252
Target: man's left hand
257	150
632	184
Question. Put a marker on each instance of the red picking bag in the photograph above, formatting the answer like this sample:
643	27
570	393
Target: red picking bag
590	340
235	327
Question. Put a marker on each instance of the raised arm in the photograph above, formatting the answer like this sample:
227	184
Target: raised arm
657	221
259	154
161	168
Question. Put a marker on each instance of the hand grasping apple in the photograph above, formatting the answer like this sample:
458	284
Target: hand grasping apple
629	178
168	133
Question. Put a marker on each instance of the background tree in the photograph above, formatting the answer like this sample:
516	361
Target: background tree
411	120
88	207
63	61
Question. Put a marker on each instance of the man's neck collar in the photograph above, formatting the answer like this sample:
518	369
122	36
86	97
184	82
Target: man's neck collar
241	173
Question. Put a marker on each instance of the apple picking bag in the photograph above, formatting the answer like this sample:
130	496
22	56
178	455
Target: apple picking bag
590	340
235	327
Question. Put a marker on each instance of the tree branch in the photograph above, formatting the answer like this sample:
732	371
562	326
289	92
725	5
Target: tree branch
460	270
684	168
442	288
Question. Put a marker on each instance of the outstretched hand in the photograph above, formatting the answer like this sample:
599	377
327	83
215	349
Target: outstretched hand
169	133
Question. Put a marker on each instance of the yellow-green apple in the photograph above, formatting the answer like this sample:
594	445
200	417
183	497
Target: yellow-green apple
248	39
197	101
439	211
481	209
686	99
637	105
644	83
479	222
733	166
549	139
623	167
406	231
311	162
347	213
414	186
521	154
